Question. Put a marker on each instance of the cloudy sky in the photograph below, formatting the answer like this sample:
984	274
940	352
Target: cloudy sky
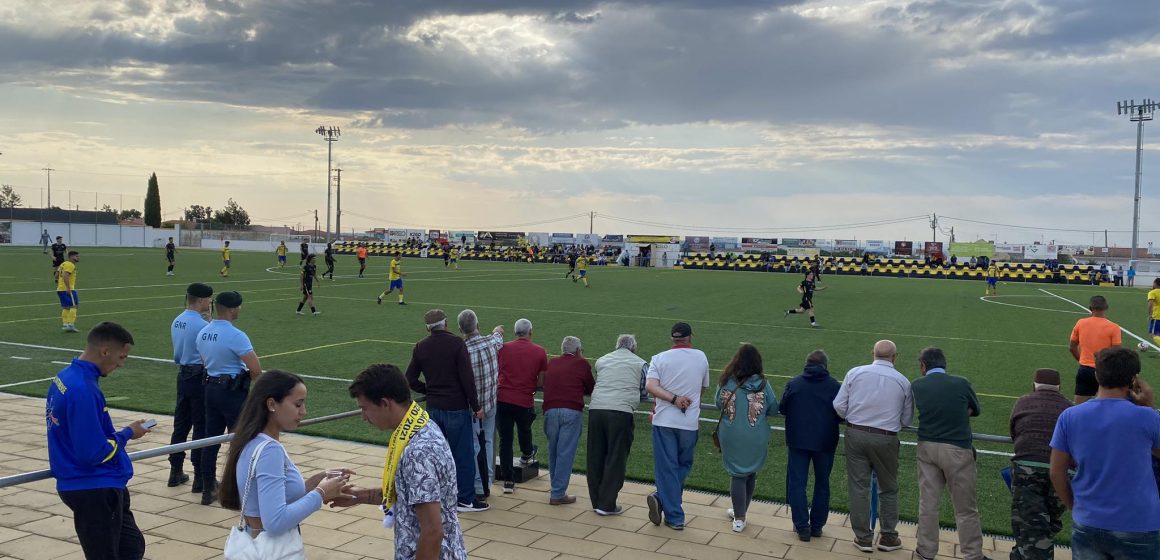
767	118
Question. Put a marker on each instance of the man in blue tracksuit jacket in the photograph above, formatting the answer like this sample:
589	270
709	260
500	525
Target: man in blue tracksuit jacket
87	455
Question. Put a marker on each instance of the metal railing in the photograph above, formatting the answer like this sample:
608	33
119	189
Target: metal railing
24	478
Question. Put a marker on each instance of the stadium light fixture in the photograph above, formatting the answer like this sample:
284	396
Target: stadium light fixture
330	134
1137	114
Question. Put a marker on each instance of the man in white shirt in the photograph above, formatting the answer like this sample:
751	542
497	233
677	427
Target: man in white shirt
675	378
876	402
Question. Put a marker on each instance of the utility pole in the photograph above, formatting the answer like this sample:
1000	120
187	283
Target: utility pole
315	225
933	228
1137	114
48	171
330	134
591	219
337	203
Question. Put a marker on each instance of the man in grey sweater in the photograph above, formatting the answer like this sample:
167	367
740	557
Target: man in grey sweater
610	423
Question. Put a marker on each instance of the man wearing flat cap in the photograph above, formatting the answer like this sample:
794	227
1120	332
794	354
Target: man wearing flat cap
189	411
449	383
1036	511
675	378
230	365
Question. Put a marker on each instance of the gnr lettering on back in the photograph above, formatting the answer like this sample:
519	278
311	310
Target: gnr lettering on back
209	337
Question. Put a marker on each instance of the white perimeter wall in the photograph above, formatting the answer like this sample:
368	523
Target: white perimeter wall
292	249
91	235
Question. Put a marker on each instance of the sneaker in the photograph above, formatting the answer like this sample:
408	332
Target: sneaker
298	313
380	300
916	556
889	543
316	313
509	487
738	525
402	303
803	536
814	325
675	526
70	328
473	506
865	545
619	510
565	500
529	459
654	508
786	313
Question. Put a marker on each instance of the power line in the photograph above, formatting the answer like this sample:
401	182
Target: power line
874	223
1039	228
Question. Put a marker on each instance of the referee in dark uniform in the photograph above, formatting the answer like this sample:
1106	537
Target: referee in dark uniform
329	253
230	365
189	411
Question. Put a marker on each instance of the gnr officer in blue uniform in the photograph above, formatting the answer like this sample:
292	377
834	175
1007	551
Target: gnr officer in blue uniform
230	365
189	411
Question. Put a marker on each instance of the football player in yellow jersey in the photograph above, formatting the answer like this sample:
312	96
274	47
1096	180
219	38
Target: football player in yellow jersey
225	271
396	277
66	290
993	279
1154	312
582	269
281	252
455	257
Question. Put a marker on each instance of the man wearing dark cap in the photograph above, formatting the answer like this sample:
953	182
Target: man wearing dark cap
1036	512
675	378
230	365
449	383
189	411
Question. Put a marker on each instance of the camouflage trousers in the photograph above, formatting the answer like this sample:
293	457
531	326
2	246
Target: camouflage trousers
1035	513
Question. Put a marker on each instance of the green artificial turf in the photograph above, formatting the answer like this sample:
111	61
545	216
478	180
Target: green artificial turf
996	346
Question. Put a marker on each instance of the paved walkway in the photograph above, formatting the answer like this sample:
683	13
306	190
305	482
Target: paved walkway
35	525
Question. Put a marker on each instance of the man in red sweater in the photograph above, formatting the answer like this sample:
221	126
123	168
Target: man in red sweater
568	380
522	364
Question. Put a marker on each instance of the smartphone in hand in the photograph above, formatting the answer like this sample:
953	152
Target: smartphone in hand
149	424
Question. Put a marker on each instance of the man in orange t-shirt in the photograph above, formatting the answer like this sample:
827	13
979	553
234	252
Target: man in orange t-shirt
1090	335
362	258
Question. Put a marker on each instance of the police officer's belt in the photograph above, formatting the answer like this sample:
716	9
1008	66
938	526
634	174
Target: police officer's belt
192	368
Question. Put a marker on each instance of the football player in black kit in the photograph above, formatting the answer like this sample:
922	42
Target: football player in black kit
305	250
306	281
58	251
329	261
170	254
806	289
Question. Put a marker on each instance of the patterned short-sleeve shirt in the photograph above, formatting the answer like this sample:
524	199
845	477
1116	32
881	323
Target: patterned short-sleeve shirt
427	474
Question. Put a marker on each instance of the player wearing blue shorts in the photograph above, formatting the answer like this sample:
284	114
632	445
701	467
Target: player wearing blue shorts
1154	312
993	280
396	277
66	290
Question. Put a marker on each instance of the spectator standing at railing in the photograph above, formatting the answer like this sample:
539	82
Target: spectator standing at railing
87	456
522	364
610	423
876	402
189	408
811	436
745	400
1036	512
946	456
1111	440
567	381
484	351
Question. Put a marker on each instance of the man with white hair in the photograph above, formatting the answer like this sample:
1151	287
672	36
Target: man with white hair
567	381
449	384
675	378
484	352
522	364
876	402
610	423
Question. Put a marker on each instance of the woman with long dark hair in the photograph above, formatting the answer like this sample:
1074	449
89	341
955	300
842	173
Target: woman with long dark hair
745	400
278	498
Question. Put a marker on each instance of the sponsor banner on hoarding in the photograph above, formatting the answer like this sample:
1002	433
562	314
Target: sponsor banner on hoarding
973	249
497	236
539	238
416	233
876	246
564	238
612	238
697	243
759	243
846	244
824	244
396	234
903	247
568	235
725	243
588	239
799	242
1008	248
932	247
802	252
654	239
1042	252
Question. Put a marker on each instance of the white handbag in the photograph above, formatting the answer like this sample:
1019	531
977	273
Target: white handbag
241	546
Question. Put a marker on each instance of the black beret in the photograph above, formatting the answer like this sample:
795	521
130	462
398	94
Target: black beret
197	289
229	300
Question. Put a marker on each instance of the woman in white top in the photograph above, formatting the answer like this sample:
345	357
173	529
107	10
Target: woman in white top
279	499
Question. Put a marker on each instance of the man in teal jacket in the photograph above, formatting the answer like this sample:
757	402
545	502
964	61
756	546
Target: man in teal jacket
87	455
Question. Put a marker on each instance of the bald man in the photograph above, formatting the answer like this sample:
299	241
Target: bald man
876	402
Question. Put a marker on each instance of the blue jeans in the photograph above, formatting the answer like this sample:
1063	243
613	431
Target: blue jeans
488	426
808	518
672	460
1089	543
456	428
562	426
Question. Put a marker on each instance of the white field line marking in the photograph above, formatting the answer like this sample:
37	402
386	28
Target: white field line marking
19	358
26	382
984	298
725	323
179	285
127	312
61	363
1126	331
313	348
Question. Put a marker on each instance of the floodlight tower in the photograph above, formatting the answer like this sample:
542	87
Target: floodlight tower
330	134
1137	114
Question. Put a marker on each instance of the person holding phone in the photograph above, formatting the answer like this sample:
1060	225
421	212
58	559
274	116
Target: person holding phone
87	456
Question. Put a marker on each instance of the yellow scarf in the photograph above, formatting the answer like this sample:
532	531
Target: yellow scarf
412	422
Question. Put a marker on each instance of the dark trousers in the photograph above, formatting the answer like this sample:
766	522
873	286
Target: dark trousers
610	434
222	406
188	413
329	269
806	517
456	426
1036	513
508	416
104	524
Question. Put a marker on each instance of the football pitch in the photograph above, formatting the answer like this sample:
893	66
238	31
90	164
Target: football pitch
997	343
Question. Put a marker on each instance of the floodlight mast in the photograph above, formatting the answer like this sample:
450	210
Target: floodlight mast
330	134
1137	114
